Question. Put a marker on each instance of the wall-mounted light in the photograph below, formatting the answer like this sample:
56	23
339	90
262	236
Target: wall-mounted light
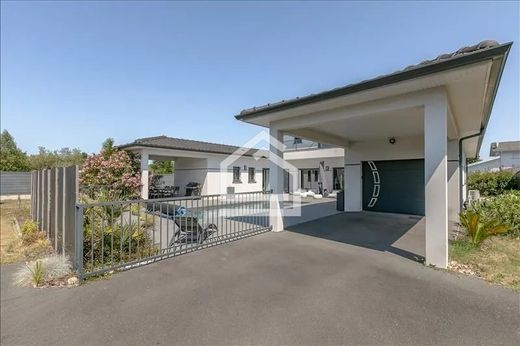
391	140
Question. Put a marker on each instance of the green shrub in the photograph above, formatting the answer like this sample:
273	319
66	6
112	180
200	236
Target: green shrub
40	271
30	232
504	208
29	227
37	272
491	183
111	240
478	228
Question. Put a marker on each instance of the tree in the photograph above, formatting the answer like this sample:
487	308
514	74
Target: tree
471	160
108	148
110	175
12	158
161	167
57	158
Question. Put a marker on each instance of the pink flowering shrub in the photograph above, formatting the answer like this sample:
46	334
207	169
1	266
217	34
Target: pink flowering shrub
113	175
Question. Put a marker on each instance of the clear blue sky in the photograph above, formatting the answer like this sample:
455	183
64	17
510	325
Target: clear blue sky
75	73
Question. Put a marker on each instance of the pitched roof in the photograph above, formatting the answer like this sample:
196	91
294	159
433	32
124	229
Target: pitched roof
186	144
501	147
462	56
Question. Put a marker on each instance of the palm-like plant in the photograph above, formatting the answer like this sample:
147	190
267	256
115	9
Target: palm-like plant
479	230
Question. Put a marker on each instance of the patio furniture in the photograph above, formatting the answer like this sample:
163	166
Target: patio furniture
163	192
333	194
193	189
189	229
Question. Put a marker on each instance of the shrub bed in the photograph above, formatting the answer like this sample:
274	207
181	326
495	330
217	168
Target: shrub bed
492	183
503	209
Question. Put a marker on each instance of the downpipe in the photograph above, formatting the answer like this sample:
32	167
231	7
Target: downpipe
461	198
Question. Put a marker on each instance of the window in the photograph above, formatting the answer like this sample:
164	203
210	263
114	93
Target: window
251	174
309	175
236	175
315	175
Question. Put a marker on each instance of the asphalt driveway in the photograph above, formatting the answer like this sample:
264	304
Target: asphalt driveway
301	286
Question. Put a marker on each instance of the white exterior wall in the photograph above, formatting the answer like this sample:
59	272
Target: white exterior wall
214	180
334	162
167	179
491	165
403	149
219	180
510	160
303	159
191	170
506	161
453	181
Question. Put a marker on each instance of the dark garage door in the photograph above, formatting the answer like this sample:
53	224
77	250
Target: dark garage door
394	186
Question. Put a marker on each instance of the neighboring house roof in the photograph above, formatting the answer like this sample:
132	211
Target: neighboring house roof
484	162
463	56
502	147
165	142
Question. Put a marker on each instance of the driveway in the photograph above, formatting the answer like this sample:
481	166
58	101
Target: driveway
318	283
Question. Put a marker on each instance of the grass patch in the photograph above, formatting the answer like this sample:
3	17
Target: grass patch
497	260
14	247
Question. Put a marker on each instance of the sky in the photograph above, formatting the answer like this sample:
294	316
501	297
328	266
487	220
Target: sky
74	73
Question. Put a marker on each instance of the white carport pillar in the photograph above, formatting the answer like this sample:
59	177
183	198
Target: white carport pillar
436	183
275	167
144	175
352	183
276	178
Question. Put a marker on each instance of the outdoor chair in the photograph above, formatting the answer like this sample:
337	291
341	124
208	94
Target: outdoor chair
189	229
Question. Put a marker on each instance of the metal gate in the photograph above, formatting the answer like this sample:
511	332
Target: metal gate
124	234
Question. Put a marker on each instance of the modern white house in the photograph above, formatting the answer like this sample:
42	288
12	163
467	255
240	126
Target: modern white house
405	135
396	143
503	156
320	166
200	162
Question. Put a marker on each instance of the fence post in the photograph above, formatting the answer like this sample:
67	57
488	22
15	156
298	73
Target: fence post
48	209
63	209
78	248
41	200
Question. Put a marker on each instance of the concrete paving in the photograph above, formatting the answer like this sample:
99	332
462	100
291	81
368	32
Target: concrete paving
319	283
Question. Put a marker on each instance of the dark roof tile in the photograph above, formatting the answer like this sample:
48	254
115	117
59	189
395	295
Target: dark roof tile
441	58
187	144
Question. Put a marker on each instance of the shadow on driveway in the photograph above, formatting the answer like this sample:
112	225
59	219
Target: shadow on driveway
399	234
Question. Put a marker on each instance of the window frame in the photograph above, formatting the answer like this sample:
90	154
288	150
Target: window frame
237	179
251	179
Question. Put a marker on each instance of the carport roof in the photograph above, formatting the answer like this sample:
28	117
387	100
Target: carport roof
165	142
463	56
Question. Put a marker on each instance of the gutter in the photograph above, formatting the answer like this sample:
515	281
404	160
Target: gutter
461	199
490	109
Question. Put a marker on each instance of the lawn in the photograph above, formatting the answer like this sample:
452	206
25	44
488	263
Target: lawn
12	248
496	261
